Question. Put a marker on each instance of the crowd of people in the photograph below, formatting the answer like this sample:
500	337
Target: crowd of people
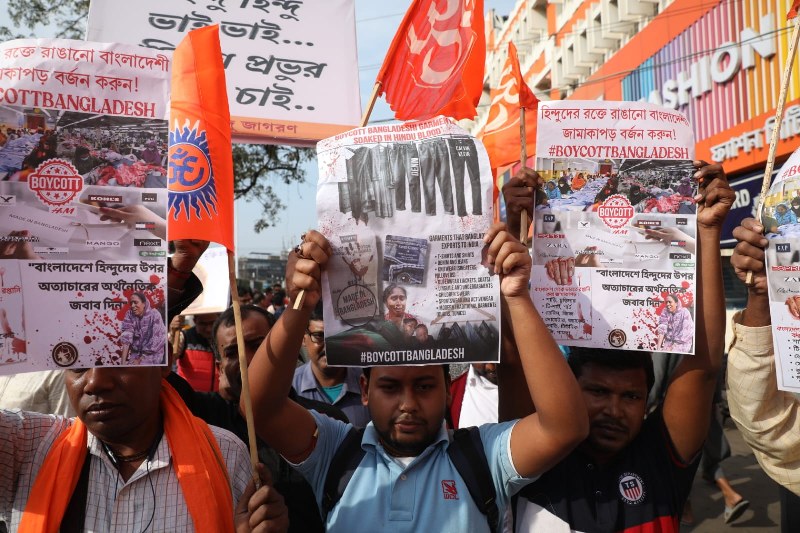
136	158
538	442
649	190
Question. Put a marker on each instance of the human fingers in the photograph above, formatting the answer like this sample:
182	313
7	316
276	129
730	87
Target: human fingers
512	254
793	303
707	172
497	235
751	232
320	240
566	267
550	268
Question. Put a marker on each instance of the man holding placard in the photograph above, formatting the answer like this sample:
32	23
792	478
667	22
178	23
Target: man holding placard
631	472
406	479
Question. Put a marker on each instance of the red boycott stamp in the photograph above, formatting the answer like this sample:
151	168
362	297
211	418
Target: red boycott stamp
616	211
56	182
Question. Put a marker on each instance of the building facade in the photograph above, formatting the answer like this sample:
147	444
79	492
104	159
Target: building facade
717	61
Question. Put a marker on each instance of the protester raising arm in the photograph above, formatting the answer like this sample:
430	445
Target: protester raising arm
686	405
543	438
766	416
286	426
518	195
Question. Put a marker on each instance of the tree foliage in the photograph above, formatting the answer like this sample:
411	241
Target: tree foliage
68	17
256	167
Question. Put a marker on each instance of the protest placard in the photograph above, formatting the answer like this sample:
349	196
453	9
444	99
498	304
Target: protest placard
406	207
614	251
780	217
83	138
290	65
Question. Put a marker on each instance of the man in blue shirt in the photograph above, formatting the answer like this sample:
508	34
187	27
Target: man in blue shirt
316	380
406	480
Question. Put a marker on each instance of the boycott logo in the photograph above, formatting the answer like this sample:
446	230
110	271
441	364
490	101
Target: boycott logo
55	182
616	211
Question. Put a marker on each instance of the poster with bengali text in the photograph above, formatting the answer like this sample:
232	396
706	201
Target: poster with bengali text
405	208
290	65
83	173
780	216
614	248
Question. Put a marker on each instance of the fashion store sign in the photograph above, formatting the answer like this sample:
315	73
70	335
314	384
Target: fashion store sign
719	66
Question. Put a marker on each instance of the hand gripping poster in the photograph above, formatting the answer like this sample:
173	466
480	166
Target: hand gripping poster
780	216
83	139
405	208
614	248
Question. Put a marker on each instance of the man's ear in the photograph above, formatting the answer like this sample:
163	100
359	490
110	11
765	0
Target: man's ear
364	382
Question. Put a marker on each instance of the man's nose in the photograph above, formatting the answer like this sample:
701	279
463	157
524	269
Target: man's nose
408	401
98	380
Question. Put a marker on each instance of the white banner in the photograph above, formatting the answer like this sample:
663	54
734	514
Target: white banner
83	139
614	249
406	207
781	219
291	65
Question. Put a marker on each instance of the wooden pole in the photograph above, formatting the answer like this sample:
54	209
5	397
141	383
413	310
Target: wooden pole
773	141
248	404
298	302
523	159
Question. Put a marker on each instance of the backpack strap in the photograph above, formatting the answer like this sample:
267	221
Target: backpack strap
342	467
467	454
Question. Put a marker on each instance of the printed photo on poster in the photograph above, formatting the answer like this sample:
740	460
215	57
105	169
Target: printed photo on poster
614	249
83	136
405	208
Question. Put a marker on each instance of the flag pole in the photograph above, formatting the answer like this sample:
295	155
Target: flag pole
248	404
298	302
773	141
523	159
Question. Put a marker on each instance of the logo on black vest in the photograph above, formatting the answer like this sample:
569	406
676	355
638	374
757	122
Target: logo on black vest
631	488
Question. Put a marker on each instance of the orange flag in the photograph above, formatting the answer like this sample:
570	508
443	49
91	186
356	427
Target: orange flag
436	61
501	132
200	161
793	11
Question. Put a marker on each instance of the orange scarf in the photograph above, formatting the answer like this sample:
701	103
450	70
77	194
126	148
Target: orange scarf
196	459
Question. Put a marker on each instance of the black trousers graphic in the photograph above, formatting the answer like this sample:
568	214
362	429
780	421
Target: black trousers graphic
380	179
359	184
404	167
464	154
434	165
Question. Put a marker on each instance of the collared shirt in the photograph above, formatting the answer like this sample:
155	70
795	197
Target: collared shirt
642	489
40	392
152	495
349	400
426	495
766	416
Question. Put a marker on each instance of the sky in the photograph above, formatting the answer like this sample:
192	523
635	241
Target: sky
376	24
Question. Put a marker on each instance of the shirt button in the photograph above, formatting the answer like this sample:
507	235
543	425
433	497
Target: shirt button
590	466
598	493
403	477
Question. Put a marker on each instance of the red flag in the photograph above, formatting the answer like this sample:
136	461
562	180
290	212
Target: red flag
435	63
526	96
501	132
793	11
200	167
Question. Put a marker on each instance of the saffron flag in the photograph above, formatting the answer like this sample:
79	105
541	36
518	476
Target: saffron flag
501	135
794	9
436	61
200	161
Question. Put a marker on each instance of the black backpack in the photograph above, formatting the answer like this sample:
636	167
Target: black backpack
465	451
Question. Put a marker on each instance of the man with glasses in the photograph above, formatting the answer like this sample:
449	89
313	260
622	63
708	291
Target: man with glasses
316	380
